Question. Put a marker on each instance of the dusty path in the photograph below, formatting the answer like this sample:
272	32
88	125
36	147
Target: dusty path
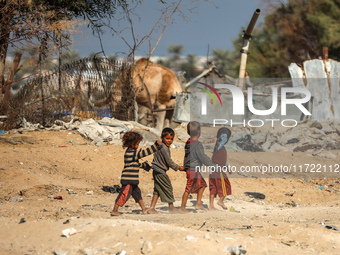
290	220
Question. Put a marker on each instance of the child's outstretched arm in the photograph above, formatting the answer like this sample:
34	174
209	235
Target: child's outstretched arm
167	158
203	157
149	150
145	165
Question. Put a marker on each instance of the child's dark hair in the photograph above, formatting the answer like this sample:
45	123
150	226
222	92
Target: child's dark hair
223	130
193	128
168	131
131	138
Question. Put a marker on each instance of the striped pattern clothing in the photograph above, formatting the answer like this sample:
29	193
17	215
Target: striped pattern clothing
130	174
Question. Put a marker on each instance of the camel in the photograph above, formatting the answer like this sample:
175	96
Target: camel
161	84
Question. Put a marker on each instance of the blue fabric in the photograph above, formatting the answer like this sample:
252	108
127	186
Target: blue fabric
223	141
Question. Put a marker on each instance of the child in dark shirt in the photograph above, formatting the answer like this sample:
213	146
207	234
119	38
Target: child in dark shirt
194	158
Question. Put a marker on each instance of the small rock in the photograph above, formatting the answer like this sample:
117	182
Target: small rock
16	199
69	232
147	247
235	250
60	252
148	195
22	221
191	238
88	251
70	191
207	236
89	192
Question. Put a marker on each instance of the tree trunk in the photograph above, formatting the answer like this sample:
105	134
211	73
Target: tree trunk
5	30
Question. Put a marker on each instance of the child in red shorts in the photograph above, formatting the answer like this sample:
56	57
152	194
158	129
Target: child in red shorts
218	180
194	158
130	173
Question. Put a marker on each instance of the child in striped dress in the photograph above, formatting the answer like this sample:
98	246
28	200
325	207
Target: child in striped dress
130	173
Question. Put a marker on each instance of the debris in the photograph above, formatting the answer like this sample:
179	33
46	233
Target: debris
147	247
114	189
320	188
324	154
58	197
89	192
202	225
332	227
70	191
123	252
255	195
293	140
60	252
290	194
235	250
22	220
232	209
88	251
69	232
2	132
66	222
191	238
16	199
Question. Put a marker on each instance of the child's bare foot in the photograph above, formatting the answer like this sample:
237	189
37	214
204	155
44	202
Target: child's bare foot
145	211
173	210
199	207
152	211
211	208
183	210
114	213
224	207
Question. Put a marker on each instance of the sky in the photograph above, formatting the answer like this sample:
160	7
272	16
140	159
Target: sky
214	24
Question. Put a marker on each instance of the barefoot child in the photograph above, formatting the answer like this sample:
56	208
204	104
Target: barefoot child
194	157
162	161
218	180
130	174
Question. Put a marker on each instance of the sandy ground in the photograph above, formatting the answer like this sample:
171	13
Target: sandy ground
42	165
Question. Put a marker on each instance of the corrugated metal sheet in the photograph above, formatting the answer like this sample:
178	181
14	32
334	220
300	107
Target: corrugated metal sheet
321	77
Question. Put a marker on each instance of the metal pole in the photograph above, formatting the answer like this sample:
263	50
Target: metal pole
245	47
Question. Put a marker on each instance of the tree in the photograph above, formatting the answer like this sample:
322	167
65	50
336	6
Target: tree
176	51
190	67
25	23
225	61
294	32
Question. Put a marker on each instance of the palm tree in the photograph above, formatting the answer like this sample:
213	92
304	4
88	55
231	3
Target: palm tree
189	67
224	61
176	50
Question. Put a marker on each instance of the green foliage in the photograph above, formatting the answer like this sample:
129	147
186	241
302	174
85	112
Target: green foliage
225	61
190	67
293	32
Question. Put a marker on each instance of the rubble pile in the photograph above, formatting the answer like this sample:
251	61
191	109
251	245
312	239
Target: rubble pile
312	136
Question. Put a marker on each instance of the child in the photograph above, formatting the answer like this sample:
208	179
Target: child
130	174
218	181
194	156
162	161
